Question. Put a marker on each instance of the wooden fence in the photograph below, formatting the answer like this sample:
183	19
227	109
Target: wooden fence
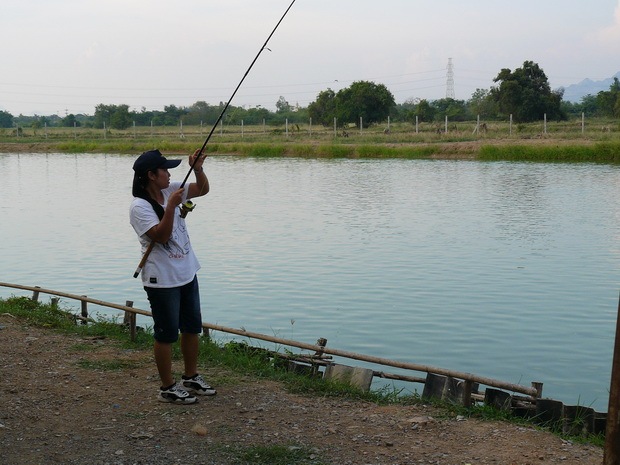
439	383
603	128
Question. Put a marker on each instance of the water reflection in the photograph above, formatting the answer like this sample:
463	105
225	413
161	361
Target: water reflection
519	204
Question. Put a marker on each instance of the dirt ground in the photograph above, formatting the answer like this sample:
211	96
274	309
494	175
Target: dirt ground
57	406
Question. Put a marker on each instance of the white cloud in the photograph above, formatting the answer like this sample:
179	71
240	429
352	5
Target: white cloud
610	35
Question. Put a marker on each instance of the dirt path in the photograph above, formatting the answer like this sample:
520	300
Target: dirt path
53	410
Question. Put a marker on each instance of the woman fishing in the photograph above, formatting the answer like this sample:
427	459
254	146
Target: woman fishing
169	272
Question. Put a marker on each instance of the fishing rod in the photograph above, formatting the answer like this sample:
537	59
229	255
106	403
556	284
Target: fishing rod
189	206
219	118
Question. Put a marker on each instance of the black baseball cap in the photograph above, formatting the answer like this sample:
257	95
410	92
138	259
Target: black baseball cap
152	160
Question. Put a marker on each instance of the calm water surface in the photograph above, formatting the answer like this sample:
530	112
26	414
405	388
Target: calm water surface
506	270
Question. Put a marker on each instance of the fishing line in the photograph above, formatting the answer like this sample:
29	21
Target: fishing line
189	206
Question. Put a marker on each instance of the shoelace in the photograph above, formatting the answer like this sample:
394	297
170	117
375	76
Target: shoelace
178	391
198	379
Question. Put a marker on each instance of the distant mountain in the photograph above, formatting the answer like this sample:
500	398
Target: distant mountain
575	92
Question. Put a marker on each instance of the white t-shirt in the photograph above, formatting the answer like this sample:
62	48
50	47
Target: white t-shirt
171	264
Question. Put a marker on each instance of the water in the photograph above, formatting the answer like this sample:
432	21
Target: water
506	270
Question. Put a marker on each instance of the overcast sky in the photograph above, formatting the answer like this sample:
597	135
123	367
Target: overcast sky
67	56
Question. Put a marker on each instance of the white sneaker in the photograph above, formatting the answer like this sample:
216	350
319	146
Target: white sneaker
176	394
197	385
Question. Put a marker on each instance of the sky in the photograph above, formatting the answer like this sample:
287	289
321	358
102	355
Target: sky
68	56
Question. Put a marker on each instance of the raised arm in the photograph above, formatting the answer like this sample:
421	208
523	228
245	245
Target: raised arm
201	186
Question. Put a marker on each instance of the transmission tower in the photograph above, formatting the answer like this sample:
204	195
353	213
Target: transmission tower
450	80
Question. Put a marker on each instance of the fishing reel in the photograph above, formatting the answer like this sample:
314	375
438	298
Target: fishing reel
187	207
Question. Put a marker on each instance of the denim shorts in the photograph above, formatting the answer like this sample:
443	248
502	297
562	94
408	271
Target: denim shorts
175	309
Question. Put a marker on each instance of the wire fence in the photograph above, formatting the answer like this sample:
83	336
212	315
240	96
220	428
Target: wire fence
592	128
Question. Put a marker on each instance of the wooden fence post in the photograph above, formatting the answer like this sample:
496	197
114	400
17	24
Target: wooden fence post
539	388
35	294
84	311
612	434
130	320
467	389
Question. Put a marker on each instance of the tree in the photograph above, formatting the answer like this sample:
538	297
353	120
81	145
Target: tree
525	94
482	103
363	99
608	101
70	121
455	110
257	115
173	114
588	105
202	112
120	119
282	106
323	109
424	111
114	116
6	119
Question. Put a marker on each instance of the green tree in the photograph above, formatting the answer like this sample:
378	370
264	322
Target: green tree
525	94
6	119
323	109
482	104
257	115
404	111
455	110
202	112
69	121
43	121
587	105
363	99
234	115
282	106
608	101
173	114
114	116
121	119
424	111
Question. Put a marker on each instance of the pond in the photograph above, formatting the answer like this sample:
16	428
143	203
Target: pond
505	270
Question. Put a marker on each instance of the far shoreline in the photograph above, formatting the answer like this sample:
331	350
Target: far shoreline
542	149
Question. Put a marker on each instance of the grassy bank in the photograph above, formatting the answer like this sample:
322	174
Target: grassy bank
604	152
236	356
556	142
583	152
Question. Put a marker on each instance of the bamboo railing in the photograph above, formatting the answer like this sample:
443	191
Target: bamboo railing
451	385
534	391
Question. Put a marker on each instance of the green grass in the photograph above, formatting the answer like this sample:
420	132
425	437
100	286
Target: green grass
54	317
603	152
560	142
83	347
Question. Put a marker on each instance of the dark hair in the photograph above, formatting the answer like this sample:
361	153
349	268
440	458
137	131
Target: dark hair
139	190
